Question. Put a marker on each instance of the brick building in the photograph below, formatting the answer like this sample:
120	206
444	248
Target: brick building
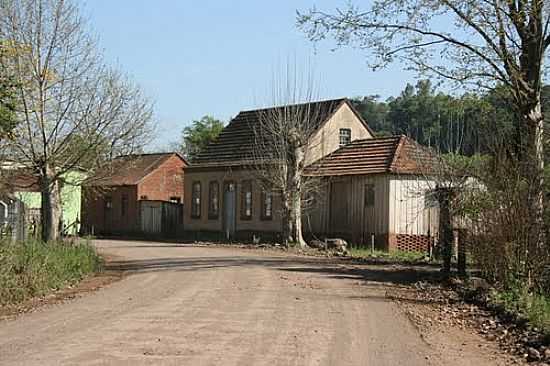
111	202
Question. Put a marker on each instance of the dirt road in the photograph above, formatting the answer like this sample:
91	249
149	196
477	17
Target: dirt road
186	305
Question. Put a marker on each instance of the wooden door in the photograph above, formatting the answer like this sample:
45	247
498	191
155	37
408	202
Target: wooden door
369	213
339	208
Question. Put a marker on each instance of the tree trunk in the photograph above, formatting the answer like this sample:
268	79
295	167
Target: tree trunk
295	160
50	206
445	229
461	257
287	221
296	195
297	221
536	172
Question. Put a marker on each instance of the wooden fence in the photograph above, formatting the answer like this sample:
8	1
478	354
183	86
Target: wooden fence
160	218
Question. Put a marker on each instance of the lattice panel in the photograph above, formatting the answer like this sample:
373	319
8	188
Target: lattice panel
413	243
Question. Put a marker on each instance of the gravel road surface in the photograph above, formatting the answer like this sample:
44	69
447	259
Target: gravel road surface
190	305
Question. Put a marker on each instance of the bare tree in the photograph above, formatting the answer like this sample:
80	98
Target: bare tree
75	112
283	140
481	43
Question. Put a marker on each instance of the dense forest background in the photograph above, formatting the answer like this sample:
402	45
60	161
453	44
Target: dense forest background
464	124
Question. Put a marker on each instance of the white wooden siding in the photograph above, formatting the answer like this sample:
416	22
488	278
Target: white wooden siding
363	220
408	212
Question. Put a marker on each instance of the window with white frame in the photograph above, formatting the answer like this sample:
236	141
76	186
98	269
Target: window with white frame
345	136
246	200
196	200
267	206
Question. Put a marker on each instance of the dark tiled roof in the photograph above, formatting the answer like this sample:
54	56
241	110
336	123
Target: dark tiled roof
395	154
234	145
130	169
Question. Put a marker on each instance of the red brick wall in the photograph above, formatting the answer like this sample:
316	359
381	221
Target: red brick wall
98	219
409	243
165	182
161	185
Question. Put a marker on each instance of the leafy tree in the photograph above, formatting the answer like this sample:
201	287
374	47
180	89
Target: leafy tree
72	108
375	113
197	136
7	97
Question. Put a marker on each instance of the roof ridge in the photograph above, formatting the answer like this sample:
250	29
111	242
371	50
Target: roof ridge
146	154
397	151
294	104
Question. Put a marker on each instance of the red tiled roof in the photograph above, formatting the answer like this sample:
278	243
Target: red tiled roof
130	169
395	154
234	145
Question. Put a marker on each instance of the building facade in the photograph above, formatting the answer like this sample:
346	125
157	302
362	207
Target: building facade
111	202
224	199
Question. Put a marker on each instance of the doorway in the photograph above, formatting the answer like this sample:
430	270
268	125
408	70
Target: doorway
339	209
229	210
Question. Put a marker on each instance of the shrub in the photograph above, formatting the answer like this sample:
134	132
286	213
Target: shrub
534	307
34	268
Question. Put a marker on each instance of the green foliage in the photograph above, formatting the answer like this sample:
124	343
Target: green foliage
375	113
7	100
531	306
465	124
35	268
396	255
197	136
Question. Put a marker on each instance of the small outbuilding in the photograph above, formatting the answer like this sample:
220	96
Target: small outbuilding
376	191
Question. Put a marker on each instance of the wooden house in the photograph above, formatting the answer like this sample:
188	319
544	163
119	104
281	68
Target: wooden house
376	191
114	202
224	201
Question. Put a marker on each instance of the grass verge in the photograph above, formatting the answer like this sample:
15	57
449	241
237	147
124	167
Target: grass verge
34	268
535	308
399	256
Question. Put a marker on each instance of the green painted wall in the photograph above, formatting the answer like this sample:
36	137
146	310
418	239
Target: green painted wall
70	197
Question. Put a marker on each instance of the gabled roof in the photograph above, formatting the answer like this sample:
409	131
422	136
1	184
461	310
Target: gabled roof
131	169
395	154
234	145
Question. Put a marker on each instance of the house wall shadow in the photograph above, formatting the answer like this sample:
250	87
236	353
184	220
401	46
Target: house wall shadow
322	267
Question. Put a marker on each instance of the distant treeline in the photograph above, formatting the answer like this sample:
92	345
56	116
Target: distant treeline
467	124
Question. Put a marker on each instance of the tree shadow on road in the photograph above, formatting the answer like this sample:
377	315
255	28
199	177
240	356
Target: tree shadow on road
319	267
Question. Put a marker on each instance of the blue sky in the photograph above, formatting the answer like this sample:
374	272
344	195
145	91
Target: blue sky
197	58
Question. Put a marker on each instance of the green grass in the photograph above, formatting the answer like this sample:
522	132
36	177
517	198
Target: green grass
533	307
35	268
400	256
